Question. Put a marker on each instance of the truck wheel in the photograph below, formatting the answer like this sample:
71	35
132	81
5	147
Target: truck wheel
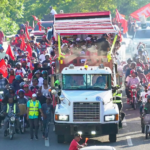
60	139
112	137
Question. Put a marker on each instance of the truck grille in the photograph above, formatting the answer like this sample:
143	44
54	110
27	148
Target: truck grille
86	112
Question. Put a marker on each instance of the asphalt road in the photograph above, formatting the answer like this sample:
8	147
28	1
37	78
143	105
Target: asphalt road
129	137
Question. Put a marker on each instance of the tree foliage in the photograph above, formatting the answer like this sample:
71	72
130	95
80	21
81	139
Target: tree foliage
13	12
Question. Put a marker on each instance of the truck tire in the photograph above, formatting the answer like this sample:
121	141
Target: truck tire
112	137
60	138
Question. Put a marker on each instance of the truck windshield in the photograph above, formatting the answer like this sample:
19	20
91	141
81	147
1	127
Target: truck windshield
86	82
141	34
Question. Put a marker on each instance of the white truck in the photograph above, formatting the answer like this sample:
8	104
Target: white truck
86	102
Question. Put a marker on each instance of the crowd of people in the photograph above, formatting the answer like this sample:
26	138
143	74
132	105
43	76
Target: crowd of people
30	69
137	73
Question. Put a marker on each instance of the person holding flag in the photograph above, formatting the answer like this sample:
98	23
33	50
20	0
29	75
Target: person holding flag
74	144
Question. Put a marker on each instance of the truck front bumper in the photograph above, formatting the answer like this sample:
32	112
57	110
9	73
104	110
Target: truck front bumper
86	129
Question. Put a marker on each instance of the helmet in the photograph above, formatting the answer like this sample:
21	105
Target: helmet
25	85
38	71
21	84
11	69
57	83
44	36
148	97
133	63
18	63
18	77
21	90
47	55
44	72
132	71
139	69
23	60
141	49
129	60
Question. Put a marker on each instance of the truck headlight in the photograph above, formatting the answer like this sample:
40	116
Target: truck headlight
111	118
62	117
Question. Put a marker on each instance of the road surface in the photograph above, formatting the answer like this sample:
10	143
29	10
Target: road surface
129	137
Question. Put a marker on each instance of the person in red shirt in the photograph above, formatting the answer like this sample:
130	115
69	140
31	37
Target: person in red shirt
139	63
11	76
1	37
74	144
27	93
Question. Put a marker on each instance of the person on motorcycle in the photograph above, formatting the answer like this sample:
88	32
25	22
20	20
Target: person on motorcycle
8	109
47	58
141	75
21	99
3	82
20	55
134	80
41	97
47	109
143	97
11	76
147	105
53	57
127	66
132	67
34	87
19	70
37	75
16	83
74	144
27	93
42	56
24	65
142	56
147	69
139	63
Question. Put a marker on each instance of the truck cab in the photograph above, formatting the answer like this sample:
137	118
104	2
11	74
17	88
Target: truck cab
86	103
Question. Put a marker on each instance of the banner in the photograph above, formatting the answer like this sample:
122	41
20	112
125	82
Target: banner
3	68
142	11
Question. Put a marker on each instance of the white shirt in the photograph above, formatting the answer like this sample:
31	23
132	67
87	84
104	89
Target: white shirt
42	58
53	12
144	95
20	71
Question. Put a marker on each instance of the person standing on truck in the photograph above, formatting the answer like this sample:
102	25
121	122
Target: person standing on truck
103	45
74	144
52	11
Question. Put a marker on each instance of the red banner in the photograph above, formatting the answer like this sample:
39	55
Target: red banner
142	11
3	68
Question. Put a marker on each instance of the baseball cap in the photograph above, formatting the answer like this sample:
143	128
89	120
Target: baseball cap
34	95
77	135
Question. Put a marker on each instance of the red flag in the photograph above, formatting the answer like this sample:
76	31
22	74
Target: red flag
121	19
3	68
35	18
23	44
27	33
39	24
10	53
29	50
145	10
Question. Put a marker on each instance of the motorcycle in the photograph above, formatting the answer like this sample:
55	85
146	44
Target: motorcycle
133	94
11	125
146	122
